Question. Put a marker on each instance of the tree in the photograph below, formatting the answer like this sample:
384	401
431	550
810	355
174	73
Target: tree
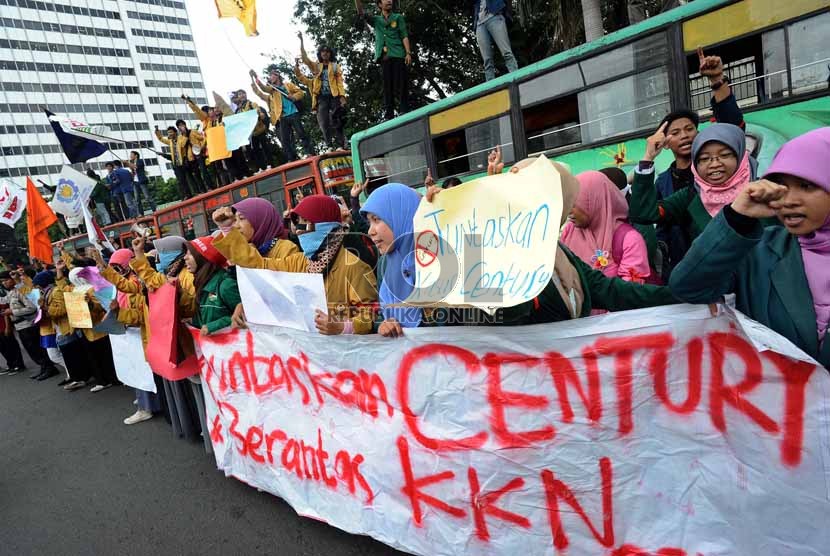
592	19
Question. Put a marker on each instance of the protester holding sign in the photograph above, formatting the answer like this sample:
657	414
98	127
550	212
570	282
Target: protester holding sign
97	345
351	288
779	274
131	308
598	231
72	348
43	282
390	210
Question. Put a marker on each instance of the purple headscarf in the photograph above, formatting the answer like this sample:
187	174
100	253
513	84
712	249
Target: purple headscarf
264	218
808	157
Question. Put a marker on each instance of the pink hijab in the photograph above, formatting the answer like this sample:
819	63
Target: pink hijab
715	197
600	199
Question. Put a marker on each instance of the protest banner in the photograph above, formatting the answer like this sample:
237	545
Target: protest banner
217	143
12	203
164	349
238	129
652	432
482	245
130	366
77	309
281	298
72	195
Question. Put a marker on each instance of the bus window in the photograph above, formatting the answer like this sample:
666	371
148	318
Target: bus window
269	184
398	155
172	229
294	192
465	150
200	227
809	60
277	198
298	173
552	125
629	104
242	193
634	57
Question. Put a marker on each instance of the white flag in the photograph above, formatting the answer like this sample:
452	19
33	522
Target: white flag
12	203
72	194
81	129
94	233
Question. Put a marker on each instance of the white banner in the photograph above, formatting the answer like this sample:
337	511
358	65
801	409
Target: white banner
72	195
12	203
653	432
130	364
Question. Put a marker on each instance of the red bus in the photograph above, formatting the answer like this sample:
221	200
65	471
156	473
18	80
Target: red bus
328	174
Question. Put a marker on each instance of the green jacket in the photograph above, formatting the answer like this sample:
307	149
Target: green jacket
683	207
389	35
217	301
763	269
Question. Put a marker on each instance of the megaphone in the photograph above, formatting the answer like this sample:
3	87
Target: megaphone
140	230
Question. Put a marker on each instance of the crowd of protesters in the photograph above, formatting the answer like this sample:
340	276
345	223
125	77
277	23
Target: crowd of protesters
708	226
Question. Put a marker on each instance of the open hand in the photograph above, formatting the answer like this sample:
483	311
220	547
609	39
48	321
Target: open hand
390	328
494	162
759	199
327	326
656	143
432	189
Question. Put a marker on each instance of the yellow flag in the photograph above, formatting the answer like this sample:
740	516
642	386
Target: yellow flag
243	10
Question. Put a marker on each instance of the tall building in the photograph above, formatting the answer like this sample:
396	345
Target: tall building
120	63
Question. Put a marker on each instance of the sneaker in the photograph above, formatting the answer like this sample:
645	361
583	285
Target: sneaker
74	385
4	372
99	387
135	402
138	417
18	370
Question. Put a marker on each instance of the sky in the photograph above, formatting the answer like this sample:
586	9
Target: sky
226	54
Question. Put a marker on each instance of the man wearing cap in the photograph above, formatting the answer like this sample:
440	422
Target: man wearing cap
393	52
328	92
351	287
258	138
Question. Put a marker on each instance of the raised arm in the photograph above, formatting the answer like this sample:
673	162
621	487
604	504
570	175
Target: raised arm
311	64
300	77
161	137
195	108
258	88
725	107
238	251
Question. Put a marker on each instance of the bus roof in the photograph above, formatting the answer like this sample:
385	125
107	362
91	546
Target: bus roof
671	16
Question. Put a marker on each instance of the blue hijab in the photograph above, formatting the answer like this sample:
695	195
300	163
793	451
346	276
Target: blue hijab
395	204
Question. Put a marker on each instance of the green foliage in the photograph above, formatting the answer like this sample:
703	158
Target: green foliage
165	191
446	58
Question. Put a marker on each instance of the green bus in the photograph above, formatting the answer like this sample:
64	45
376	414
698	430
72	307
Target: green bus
593	106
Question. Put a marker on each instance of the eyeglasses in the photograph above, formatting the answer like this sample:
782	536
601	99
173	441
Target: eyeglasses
706	160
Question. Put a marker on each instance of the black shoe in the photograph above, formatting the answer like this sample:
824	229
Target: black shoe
64	382
36	375
47	374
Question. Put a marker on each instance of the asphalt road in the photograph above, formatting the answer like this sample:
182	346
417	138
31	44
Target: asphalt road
75	480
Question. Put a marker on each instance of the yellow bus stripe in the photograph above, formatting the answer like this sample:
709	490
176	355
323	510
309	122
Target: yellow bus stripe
476	110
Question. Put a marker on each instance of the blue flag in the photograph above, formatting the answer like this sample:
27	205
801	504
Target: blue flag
76	147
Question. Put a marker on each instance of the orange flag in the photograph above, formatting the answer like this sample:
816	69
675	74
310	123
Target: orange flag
243	10
38	219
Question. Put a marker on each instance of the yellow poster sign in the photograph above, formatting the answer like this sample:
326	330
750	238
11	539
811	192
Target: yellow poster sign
217	143
490	242
77	309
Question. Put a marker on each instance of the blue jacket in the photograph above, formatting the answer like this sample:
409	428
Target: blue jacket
121	180
495	7
763	268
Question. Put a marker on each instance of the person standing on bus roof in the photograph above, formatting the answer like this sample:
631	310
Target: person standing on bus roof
490	19
190	139
179	162
328	92
140	182
393	52
121	180
681	128
259	138
281	97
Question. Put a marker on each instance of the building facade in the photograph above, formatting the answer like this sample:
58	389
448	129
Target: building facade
123	64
